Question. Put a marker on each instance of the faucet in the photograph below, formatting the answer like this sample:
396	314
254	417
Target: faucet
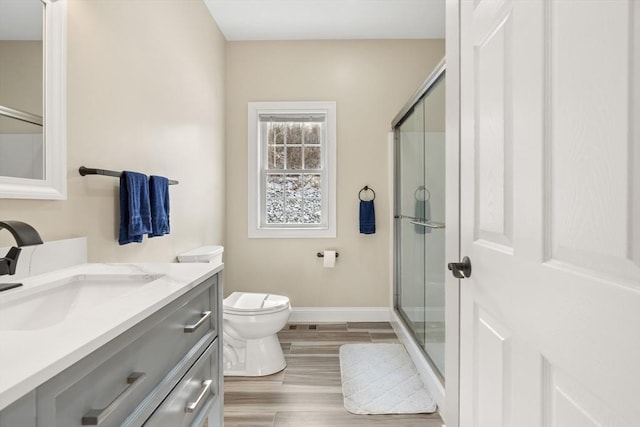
25	235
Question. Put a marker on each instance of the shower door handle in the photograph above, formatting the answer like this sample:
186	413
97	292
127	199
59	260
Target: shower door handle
427	224
461	270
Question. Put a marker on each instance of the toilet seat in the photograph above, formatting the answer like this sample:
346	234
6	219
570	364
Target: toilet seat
249	304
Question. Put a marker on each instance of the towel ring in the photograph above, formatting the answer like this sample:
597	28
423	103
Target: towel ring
426	193
366	188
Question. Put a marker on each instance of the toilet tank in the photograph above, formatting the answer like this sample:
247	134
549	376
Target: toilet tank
210	254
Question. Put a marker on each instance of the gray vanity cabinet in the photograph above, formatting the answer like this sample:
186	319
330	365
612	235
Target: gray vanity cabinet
193	397
163	371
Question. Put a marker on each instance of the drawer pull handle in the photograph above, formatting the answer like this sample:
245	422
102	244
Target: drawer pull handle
191	406
96	416
192	328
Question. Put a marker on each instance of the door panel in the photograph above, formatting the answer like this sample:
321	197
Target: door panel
494	203
492	352
590	146
570	405
550	213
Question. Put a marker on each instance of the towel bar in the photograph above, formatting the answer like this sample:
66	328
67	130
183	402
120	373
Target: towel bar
92	171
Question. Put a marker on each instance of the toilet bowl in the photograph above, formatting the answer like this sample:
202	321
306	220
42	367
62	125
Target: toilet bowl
251	322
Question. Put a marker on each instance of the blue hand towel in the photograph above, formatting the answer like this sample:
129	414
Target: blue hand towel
367	217
135	210
159	198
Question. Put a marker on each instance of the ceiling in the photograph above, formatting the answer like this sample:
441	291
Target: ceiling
328	19
280	19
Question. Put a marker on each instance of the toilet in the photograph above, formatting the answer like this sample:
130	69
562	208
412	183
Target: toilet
251	322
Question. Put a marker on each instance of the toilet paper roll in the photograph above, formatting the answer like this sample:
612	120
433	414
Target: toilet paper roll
329	259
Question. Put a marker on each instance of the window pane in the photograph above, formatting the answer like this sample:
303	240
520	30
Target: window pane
294	186
294	157
312	199
294	133
293	211
275	155
312	187
276	133
312	158
275	199
312	133
275	185
312	211
275	211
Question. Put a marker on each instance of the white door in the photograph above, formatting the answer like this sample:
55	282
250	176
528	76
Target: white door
550	213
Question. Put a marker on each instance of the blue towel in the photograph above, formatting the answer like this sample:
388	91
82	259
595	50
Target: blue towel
367	217
159	198
135	210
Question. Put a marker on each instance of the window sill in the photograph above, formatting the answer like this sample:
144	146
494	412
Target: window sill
291	233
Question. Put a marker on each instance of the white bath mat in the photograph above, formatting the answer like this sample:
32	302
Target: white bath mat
382	379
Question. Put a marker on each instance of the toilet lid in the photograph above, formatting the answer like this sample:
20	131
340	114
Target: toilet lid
247	302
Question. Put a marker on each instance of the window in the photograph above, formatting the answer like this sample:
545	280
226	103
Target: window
292	156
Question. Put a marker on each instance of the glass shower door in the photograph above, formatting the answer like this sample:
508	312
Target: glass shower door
420	214
410	152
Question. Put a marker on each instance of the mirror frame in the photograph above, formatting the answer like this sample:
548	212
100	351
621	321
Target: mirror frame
54	184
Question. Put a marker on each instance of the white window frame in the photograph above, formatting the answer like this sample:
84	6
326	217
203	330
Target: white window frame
256	188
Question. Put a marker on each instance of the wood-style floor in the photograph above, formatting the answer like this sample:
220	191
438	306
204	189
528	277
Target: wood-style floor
308	392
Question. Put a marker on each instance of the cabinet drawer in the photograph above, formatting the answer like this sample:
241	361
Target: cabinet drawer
193	397
106	387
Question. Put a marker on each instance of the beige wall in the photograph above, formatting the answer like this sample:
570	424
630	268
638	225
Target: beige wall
370	81
145	92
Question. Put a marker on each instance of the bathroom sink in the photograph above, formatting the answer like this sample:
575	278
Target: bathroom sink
42	306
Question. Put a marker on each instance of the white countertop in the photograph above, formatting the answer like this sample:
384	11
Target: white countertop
29	358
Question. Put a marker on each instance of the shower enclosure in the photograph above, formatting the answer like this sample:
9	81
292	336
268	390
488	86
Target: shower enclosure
419	215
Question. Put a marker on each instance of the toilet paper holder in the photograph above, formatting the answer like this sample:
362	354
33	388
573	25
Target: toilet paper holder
321	255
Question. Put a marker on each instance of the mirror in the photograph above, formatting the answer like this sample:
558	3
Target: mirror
21	76
33	99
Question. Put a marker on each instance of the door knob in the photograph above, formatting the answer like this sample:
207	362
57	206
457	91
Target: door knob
461	270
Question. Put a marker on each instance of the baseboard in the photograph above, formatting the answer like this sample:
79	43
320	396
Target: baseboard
339	314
